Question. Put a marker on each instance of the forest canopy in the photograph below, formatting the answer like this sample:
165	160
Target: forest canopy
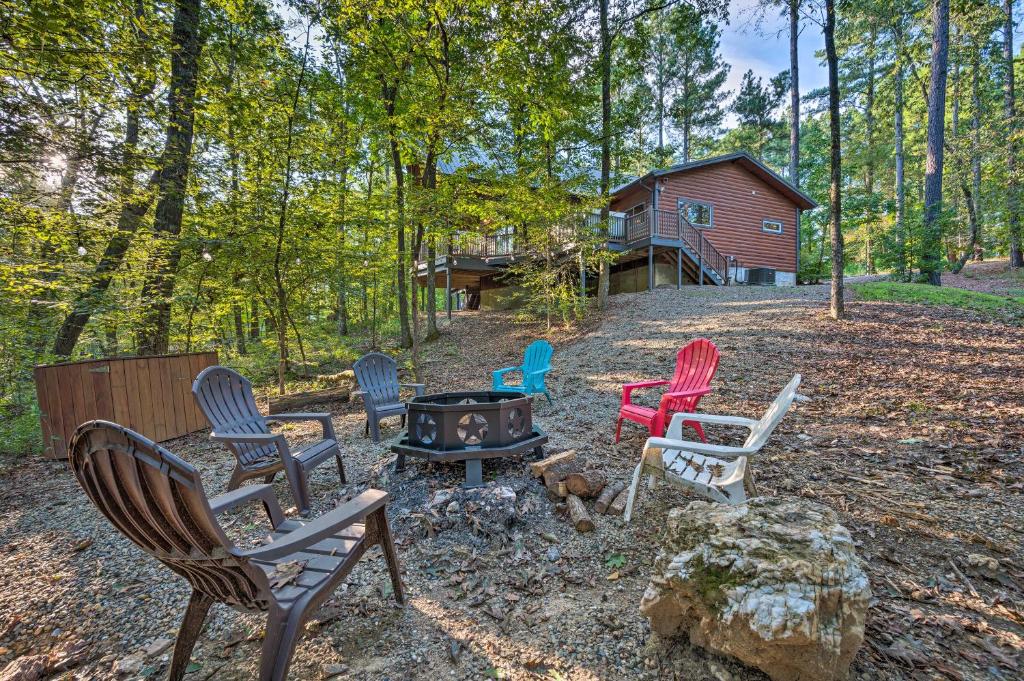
262	177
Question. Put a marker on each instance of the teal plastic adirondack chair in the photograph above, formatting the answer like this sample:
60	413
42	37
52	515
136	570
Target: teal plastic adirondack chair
536	363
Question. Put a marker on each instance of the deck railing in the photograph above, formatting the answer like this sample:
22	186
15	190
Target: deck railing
661	224
673	226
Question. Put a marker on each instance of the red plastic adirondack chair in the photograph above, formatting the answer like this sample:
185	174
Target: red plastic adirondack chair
695	367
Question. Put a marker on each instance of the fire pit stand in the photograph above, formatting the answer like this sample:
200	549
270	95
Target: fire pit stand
470	427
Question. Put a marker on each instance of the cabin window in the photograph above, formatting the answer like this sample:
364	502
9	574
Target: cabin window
698	213
636	210
771	226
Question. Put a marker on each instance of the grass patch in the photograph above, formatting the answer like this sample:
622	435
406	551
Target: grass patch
20	435
987	304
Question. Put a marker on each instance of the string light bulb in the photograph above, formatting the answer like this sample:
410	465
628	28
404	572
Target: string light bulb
81	250
206	255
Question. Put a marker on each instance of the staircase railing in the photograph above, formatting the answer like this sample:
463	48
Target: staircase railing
707	255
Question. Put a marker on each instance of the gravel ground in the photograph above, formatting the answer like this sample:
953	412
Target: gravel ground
913	433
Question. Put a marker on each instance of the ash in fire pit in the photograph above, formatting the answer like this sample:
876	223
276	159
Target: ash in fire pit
469	426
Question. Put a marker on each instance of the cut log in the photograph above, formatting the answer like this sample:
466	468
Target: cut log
280	404
618	507
538	467
559	472
586	483
608	495
578	514
557	490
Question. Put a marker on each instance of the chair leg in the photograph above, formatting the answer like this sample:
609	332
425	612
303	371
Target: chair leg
634	489
367	429
191	626
403	420
237	476
387	545
700	430
341	468
618	430
269	478
375	430
283	632
297	482
548	395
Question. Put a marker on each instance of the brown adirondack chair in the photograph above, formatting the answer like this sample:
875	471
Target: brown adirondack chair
157	500
225	397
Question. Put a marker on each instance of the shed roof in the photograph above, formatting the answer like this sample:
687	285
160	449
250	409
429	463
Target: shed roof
803	201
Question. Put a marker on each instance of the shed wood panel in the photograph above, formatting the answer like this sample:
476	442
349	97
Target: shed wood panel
151	395
741	201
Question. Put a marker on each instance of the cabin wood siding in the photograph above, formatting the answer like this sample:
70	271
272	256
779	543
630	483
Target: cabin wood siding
740	202
738	213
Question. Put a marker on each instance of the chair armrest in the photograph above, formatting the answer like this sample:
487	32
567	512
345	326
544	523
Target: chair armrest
628	388
502	372
498	376
258	439
418	387
322	527
720	420
667	398
697	447
324	419
537	372
243	495
697	392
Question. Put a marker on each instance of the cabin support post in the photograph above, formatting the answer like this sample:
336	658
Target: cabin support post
700	261
679	268
448	290
650	267
583	277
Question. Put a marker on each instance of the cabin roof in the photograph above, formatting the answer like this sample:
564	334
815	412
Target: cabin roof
803	201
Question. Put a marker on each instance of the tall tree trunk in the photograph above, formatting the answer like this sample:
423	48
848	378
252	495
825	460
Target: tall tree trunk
869	174
390	97
794	93
280	291
133	209
837	308
604	275
186	39
931	255
901	188
342	258
1010	113
976	136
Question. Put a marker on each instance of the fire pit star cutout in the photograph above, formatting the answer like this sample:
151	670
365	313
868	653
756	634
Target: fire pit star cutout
472	429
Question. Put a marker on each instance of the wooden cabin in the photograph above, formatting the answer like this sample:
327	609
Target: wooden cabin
718	221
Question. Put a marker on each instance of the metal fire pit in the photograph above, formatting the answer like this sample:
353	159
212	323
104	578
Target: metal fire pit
470	427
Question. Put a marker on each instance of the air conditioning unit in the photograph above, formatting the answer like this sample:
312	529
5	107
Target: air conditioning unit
761	276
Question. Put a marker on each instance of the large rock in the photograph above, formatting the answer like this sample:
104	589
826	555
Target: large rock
774	583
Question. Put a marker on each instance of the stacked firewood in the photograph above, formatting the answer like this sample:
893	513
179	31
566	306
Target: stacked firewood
569	482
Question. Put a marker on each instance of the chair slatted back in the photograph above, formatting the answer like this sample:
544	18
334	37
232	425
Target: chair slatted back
760	433
537	356
157	500
696	364
226	398
378	377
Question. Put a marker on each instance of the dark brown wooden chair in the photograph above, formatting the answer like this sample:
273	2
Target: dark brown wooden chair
157	500
225	397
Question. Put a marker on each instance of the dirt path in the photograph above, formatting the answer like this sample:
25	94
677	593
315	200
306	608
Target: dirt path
913	433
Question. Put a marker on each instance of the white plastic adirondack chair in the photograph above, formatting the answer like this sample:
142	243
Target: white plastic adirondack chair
695	464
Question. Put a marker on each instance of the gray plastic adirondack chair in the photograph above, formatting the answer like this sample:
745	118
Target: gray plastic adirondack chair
226	398
157	500
379	387
695	465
